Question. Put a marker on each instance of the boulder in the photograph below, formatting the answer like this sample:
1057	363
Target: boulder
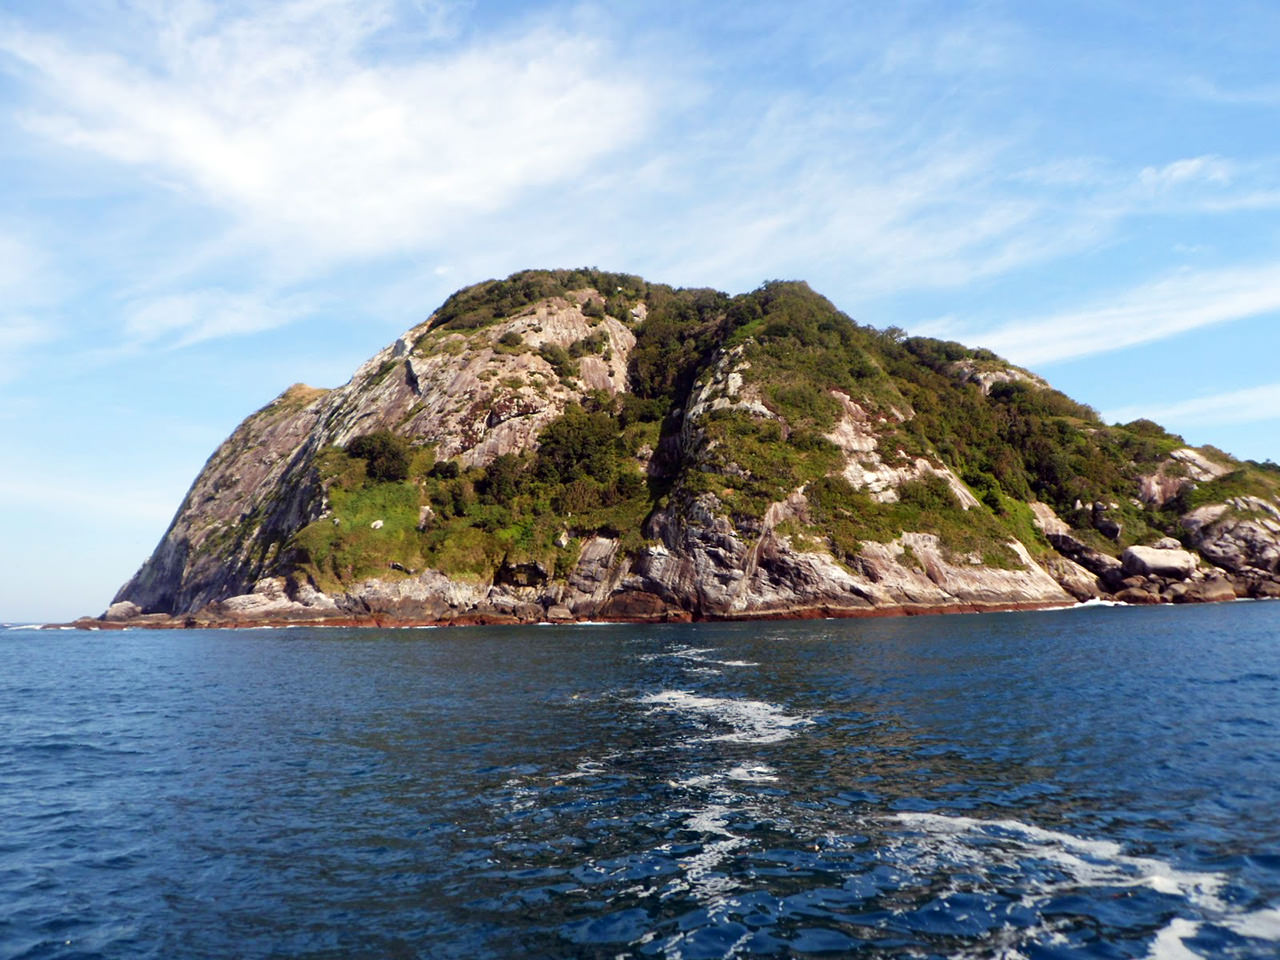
1108	526
635	605
1236	540
1213	590
1137	595
1167	543
1048	521
124	610
1095	561
1150	562
1072	577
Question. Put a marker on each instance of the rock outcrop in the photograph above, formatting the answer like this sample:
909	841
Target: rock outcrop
1153	562
1240	535
582	445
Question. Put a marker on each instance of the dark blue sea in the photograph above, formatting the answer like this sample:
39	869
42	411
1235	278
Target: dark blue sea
1097	782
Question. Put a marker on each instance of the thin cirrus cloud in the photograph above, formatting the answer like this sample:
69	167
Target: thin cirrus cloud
180	320
1210	169
1250	405
278	119
1149	312
23	289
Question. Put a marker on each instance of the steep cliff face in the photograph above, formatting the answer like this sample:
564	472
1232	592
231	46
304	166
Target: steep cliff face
586	445
462	392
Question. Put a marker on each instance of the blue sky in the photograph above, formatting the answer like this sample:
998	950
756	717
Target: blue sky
205	202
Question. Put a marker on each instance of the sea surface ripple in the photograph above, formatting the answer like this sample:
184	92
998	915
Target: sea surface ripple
1096	782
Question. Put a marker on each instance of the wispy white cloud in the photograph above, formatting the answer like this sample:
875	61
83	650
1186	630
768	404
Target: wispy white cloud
23	280
1152	311
1209	169
280	119
183	319
1250	405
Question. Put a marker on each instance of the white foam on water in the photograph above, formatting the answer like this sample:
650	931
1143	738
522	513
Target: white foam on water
697	869
753	721
679	653
955	840
1169	945
756	773
1260	924
753	773
585	768
1088	861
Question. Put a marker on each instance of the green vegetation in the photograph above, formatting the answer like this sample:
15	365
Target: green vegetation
758	465
679	335
565	366
485	303
849	516
1248	481
345	547
583	479
386	455
810	366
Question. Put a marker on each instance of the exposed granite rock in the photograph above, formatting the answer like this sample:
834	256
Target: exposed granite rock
1104	523
1199	467
1079	581
122	611
1180	472
476	393
707	568
987	375
1150	562
1212	590
1073	578
455	390
1240	535
1107	568
1138	595
857	434
1047	520
270	599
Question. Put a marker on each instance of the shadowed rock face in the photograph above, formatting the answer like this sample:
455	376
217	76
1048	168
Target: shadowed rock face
475	393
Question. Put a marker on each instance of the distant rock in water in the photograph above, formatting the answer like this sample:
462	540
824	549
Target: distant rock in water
577	444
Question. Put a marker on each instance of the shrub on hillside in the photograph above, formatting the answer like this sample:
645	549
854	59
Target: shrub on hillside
386	455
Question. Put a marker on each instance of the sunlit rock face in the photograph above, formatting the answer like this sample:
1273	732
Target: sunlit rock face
582	445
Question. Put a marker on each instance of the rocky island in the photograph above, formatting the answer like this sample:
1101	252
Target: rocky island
581	445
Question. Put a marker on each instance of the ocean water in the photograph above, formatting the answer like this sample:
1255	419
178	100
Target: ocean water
1097	782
